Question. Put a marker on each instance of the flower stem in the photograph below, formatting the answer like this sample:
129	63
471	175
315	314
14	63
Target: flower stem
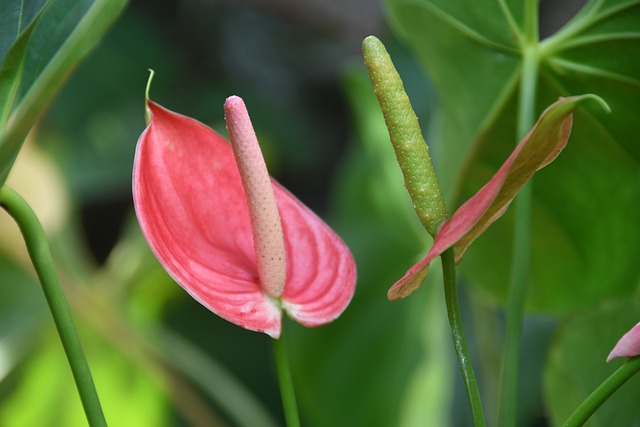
287	392
457	333
520	266
603	392
40	254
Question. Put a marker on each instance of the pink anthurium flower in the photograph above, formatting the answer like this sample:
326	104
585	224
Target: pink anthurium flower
628	345
232	237
539	147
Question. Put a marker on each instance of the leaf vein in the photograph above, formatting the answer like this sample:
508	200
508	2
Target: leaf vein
470	156
600	38
582	23
20	15
458	25
611	142
593	71
511	21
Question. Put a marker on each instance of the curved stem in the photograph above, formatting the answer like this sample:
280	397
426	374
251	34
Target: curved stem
457	333
287	392
40	254
603	392
520	266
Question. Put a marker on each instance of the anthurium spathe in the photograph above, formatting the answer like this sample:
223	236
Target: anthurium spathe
538	148
232	237
628	345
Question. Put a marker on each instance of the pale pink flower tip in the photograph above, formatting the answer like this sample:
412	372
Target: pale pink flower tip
628	345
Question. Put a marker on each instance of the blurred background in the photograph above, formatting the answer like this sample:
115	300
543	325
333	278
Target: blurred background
159	358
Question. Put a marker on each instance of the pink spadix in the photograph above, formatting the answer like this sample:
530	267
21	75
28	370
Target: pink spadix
263	210
232	237
628	345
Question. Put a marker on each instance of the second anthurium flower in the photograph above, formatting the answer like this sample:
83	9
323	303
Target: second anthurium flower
538	148
232	237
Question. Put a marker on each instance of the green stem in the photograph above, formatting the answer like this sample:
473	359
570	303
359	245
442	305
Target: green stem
40	254
520	267
603	392
517	295
287	392
457	333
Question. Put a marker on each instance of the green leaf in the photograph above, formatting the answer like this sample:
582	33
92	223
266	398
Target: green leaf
577	365
12	59
15	17
63	34
46	396
585	224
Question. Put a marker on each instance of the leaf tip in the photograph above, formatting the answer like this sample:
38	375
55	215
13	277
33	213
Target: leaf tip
409	283
147	89
600	101
575	100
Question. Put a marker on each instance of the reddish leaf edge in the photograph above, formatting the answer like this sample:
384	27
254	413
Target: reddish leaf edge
475	216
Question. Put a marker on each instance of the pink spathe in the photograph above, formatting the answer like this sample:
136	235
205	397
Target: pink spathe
194	212
628	345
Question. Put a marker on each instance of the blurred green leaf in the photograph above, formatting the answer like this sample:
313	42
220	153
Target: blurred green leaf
585	224
21	297
22	310
63	33
379	364
46	395
93	137
577	365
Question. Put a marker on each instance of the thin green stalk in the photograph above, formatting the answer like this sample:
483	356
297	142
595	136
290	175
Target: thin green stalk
517	295
287	392
521	260
40	254
603	392
457	333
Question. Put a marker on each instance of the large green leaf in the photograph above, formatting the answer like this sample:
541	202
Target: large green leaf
586	204
39	59
577	365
